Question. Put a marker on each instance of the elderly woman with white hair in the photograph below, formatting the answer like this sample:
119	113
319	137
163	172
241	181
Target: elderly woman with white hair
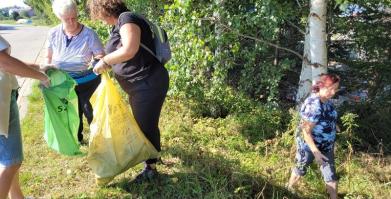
71	47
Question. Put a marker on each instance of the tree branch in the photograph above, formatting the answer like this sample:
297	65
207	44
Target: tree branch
297	27
265	42
298	3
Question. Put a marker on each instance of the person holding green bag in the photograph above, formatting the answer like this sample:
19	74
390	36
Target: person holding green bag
11	153
71	46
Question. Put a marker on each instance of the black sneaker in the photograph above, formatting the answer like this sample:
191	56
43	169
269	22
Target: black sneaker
147	174
83	143
80	137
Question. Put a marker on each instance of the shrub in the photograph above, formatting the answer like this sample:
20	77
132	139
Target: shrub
367	126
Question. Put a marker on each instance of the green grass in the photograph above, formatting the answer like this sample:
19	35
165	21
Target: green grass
35	22
203	158
8	21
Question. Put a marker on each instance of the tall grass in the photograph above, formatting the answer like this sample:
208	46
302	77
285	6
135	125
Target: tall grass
240	156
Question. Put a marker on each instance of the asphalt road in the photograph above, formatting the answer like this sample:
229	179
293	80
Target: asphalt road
27	43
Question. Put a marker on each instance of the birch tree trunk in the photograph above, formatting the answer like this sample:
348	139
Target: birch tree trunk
305	82
315	51
218	32
318	38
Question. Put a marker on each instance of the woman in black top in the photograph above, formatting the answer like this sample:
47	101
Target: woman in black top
138	72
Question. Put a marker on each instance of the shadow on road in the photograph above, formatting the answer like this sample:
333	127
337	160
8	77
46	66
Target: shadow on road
7	27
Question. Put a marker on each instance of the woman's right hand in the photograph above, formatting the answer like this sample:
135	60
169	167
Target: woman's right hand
101	67
320	158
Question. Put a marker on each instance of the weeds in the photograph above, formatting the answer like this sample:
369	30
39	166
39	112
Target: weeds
240	156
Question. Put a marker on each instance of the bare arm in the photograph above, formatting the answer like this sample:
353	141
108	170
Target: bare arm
130	38
307	134
35	66
16	67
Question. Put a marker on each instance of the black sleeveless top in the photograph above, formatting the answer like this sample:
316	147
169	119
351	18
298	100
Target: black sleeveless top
139	67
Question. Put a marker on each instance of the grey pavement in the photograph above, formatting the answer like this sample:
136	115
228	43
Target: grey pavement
27	44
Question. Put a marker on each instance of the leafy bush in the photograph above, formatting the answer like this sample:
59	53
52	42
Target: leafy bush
367	126
2	17
101	29
220	71
213	65
24	14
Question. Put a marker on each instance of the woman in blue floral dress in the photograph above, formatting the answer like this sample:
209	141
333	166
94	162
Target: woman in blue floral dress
316	133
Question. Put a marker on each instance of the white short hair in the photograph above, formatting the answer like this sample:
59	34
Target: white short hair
60	7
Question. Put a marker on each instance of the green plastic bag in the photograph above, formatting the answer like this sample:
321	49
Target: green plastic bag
61	113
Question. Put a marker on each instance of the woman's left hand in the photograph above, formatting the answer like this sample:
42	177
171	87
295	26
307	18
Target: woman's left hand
320	158
101	67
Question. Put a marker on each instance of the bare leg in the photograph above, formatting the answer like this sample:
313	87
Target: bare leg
6	177
15	191
332	189
293	180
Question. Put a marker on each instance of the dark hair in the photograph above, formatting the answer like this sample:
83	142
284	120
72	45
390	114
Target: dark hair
325	80
106	8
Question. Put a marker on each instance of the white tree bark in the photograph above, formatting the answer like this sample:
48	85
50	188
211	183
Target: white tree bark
315	50
305	82
318	38
218	31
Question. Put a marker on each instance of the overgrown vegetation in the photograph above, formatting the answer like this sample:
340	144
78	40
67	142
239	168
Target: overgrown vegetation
226	129
240	156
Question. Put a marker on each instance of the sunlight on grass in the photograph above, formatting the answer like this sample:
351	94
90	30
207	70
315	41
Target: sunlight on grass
203	158
8	21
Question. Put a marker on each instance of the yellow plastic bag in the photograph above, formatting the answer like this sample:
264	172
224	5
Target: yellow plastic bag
116	141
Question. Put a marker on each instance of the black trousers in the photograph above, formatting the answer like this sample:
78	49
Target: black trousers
84	92
146	98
